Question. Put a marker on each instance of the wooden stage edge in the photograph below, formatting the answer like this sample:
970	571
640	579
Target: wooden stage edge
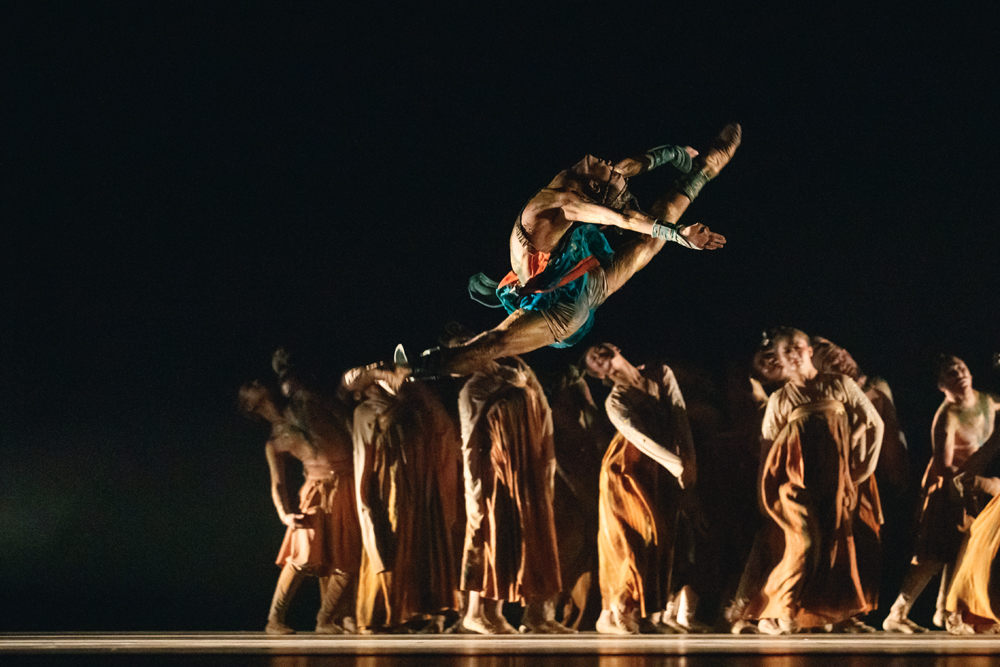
256	643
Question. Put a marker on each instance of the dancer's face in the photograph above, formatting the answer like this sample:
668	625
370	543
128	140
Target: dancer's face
768	366
599	360
955	377
795	354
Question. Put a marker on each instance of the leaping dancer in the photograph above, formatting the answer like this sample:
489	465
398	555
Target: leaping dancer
563	267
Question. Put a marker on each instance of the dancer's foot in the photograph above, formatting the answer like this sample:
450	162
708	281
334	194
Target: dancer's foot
484	626
940	618
278	628
744	627
694	626
852	626
547	627
611	623
898	623
330	629
721	150
956	626
778	626
653	625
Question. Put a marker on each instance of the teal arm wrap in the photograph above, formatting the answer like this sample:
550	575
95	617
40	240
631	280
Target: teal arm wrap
674	155
667	232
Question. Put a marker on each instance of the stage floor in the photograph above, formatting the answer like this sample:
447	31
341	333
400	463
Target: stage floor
583	650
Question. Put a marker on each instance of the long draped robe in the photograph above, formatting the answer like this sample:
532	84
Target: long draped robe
639	498
406	454
509	470
809	489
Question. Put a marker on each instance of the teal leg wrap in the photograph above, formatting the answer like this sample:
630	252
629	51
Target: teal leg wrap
691	185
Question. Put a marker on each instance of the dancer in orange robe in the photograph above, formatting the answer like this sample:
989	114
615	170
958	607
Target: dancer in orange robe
638	501
511	553
406	462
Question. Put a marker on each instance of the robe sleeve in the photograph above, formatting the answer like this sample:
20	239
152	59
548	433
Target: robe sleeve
678	411
864	450
773	422
628	420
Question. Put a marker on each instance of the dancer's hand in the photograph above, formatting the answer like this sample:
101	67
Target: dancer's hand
294	520
700	237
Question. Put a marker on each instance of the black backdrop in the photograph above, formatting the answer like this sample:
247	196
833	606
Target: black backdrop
188	185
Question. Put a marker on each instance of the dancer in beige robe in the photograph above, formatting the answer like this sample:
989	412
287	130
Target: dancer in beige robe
973	600
820	439
648	462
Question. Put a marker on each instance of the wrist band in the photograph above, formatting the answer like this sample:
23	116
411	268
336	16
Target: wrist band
666	231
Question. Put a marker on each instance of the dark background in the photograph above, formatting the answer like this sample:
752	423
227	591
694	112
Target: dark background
188	185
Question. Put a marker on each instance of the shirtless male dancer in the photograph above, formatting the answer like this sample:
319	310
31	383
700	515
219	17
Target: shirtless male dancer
563	267
961	425
323	537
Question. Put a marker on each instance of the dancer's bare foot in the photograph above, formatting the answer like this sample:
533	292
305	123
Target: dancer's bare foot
955	625
485	626
540	618
330	629
744	627
692	625
852	626
721	150
612	623
777	626
547	627
278	628
899	623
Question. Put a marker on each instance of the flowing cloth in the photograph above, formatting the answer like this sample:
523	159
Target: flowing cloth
509	463
567	283
406	457
975	588
867	525
808	488
330	540
638	517
639	498
581	436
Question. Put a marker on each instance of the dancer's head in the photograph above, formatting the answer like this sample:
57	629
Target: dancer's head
597	180
256	399
831	358
765	365
793	351
953	376
598	360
